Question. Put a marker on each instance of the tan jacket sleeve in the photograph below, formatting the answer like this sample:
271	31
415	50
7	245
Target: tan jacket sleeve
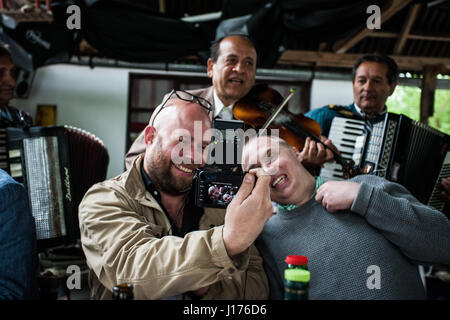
136	149
252	284
122	245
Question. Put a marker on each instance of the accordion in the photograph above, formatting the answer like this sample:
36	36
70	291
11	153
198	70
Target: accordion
397	148
56	165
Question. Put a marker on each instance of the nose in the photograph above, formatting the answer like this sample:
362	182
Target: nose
368	85
192	155
238	67
198	155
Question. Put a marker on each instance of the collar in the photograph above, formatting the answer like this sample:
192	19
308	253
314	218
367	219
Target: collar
192	213
219	106
6	114
290	207
363	114
150	186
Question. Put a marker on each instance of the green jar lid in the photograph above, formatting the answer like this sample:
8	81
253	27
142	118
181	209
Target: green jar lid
297	275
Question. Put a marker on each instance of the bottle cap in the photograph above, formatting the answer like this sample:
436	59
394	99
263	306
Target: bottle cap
297	275
296	260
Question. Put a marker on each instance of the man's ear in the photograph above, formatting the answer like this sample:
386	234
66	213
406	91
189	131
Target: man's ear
392	88
209	69
149	134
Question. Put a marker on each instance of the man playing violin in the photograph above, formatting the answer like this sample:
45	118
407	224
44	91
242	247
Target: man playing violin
232	69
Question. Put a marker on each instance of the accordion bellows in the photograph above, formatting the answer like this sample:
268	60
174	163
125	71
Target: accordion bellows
57	165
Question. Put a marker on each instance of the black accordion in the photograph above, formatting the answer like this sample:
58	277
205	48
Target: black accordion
397	148
57	165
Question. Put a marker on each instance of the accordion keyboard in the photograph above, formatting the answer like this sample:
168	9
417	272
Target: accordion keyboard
346	135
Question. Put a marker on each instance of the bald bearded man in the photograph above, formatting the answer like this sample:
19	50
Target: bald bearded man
143	228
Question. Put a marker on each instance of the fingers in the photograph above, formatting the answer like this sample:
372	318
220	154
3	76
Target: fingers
316	153
320	195
258	172
321	151
328	154
245	189
321	198
262	187
312	150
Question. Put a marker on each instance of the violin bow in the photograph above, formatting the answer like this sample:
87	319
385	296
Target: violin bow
275	114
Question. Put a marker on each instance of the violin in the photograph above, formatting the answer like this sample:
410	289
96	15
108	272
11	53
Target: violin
262	108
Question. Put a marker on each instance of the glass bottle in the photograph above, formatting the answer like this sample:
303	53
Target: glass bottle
296	284
123	292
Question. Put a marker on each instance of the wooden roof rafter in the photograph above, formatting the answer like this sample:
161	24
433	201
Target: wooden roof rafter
393	7
411	36
347	60
403	36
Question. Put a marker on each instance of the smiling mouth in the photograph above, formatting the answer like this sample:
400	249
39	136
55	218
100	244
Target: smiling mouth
184	169
237	81
279	180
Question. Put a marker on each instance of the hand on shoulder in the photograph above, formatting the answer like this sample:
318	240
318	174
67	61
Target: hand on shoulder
337	195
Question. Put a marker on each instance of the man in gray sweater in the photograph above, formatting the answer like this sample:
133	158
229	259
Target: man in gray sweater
364	237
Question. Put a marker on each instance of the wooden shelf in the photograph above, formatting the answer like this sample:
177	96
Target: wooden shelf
34	16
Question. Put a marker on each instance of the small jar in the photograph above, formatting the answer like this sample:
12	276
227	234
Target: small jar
296	284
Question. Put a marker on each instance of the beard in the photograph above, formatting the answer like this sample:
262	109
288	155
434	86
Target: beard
159	166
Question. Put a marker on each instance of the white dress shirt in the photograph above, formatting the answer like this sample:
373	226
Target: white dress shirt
220	110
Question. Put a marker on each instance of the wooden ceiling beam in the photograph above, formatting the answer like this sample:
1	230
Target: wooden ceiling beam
347	60
410	18
162	6
17	16
428	91
344	45
393	35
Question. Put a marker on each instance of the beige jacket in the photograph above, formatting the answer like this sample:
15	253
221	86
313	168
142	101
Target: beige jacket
125	237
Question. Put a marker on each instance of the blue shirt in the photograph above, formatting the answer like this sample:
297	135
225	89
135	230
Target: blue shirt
324	116
18	257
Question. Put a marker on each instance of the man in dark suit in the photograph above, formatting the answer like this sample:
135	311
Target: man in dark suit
232	69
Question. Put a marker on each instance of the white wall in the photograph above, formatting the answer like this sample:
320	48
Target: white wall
91	99
324	92
96	100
